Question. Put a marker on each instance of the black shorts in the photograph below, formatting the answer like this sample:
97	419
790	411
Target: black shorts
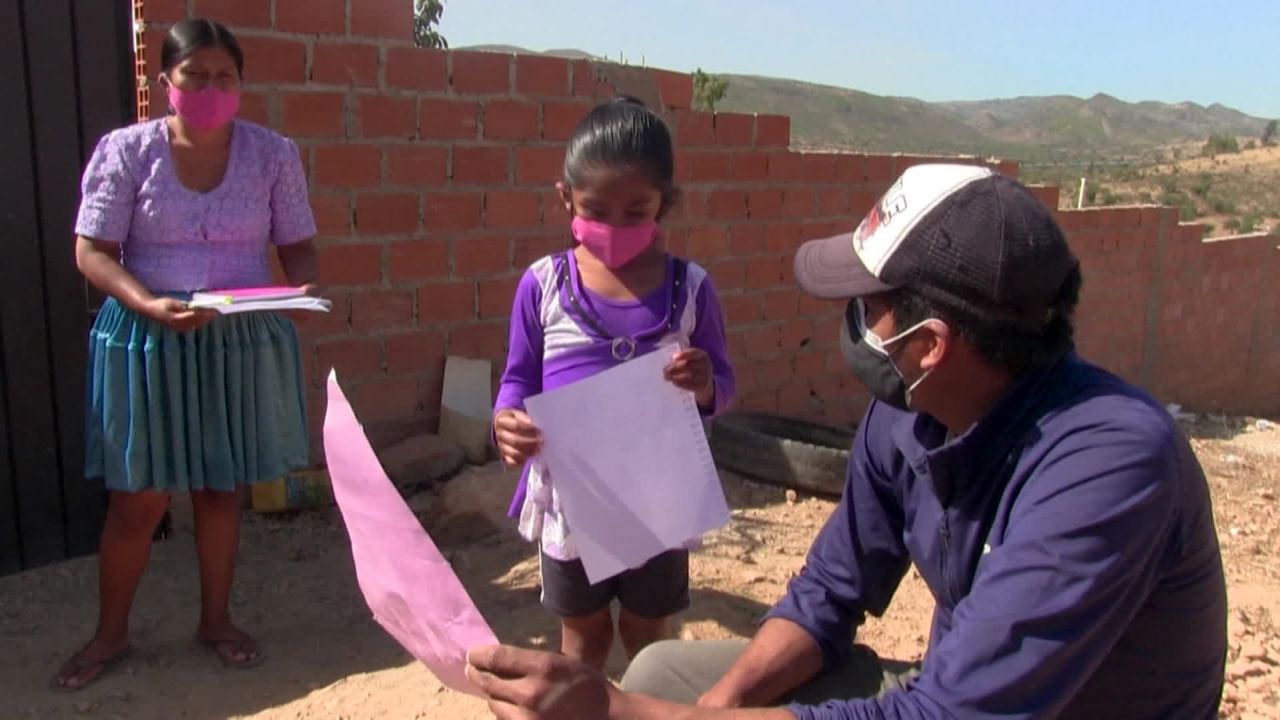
657	589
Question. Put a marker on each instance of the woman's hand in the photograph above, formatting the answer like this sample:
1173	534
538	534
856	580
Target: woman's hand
691	370
177	315
517	437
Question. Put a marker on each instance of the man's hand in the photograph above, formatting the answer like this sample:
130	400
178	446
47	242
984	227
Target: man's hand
535	685
517	437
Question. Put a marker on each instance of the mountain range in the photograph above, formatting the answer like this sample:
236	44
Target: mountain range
1055	127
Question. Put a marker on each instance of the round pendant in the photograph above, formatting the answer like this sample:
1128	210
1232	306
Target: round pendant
623	348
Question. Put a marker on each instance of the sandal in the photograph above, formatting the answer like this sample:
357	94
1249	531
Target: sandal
226	649
75	667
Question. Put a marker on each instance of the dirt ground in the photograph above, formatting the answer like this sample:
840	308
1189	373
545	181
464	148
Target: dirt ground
327	659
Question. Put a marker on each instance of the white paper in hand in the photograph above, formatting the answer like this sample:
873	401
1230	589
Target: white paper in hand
629	458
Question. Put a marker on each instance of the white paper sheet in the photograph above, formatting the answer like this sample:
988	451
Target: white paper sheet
297	303
629	458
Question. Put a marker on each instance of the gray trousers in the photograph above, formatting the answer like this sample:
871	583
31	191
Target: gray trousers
681	671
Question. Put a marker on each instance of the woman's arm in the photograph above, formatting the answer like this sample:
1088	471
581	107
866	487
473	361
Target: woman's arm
99	262
298	260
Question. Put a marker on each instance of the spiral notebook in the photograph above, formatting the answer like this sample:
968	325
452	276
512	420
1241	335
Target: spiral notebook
628	456
241	300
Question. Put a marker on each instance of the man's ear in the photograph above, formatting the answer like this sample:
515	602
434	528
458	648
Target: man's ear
938	342
566	197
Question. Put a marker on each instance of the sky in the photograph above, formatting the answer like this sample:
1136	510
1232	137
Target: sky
1171	51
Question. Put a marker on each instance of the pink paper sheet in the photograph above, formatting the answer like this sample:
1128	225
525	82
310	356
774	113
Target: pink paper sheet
410	587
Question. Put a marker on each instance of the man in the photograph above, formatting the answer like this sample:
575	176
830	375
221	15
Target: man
1056	513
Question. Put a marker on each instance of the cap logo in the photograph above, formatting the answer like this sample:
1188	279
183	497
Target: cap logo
891	205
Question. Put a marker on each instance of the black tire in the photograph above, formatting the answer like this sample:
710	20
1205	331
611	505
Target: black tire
783	451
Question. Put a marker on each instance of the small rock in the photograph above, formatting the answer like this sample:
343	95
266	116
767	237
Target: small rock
791	496
83	707
421	460
1264	425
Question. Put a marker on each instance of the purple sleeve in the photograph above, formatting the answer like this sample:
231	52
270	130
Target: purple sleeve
523	375
108	193
858	558
1050	603
291	217
708	335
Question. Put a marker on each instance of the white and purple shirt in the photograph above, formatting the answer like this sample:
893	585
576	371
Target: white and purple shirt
562	332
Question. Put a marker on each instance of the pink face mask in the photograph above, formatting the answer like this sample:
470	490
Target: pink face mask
614	245
206	109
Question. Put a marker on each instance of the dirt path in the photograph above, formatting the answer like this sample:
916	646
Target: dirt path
327	659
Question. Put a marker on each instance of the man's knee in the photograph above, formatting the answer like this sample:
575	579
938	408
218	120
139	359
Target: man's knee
681	670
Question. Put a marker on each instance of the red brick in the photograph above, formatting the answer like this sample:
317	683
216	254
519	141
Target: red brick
773	130
819	167
798	203
333	214
786	167
395	398
737	129
253	107
510	120
335	322
763	341
383	19
710	166
349	264
695	128
539	165
880	168
235	13
383	116
833	201
165	11
325	17
674	89
452	210
487	340
512	209
417	69
784	238
417	259
446	302
348	165
727	205
314	114
780	305
449	119
542	76
560	118
409	353
481	165
351	357
496	296
531	248
766	271
481	255
274	61
850	169
590	84
765	204
417	165
746	239
708	242
750	167
377	309
480	73
387	213
693	205
728	275
344	64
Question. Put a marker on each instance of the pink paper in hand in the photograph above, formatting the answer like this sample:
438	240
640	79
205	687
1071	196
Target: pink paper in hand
410	587
260	293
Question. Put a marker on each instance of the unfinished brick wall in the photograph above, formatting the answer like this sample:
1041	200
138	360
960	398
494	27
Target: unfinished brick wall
432	177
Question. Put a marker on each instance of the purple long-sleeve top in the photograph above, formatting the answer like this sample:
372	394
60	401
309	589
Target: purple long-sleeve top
561	332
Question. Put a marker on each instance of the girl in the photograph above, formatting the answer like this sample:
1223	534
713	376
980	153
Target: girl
181	399
614	296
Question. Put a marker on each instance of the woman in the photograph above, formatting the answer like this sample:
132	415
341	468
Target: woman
182	399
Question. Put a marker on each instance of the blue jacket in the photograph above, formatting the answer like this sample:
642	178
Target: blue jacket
1067	538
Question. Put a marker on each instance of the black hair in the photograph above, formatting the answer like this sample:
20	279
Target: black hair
998	342
188	36
622	133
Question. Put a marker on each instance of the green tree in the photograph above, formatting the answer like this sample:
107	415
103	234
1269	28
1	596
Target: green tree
1220	144
426	18
1269	133
708	90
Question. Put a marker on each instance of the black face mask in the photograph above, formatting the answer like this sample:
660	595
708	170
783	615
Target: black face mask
870	361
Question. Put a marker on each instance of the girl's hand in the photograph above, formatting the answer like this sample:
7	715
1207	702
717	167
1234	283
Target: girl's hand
176	314
691	370
518	438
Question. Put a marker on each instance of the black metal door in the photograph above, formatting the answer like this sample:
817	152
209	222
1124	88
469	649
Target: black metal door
67	68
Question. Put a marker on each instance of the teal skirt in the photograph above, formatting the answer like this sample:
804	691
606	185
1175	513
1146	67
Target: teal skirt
203	410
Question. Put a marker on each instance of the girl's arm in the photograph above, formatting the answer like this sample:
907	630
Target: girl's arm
522	377
709	336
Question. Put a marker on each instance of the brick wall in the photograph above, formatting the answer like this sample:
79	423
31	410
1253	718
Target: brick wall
432	176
